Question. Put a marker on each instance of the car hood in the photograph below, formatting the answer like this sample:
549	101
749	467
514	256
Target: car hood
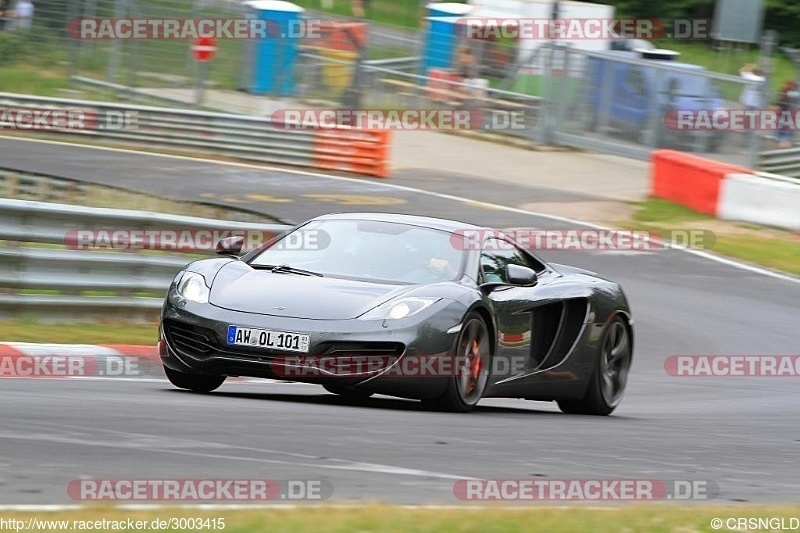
240	288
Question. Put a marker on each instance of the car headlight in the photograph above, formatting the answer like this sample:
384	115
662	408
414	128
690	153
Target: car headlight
397	309
193	287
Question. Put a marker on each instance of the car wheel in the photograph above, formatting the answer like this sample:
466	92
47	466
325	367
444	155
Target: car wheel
610	374
194	382
346	392
473	350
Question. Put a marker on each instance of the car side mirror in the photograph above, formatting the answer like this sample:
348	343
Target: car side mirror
230	246
521	275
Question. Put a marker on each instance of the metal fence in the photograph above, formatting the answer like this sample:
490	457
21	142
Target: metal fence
383	88
42	275
590	100
169	63
623	104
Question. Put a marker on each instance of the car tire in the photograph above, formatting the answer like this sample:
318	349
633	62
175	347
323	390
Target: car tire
465	389
194	382
345	392
609	375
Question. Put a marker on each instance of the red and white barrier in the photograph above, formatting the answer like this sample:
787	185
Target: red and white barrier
689	180
761	198
725	191
34	360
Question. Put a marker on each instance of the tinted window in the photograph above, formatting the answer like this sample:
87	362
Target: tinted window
497	255
635	80
677	84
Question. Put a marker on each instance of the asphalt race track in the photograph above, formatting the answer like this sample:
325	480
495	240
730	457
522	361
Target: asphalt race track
740	433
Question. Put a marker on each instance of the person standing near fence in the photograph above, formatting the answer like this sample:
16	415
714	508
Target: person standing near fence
466	64
359	8
3	13
787	103
751	94
21	17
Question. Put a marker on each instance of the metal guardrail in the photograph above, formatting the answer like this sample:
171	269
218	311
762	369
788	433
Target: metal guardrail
403	64
247	137
61	282
785	162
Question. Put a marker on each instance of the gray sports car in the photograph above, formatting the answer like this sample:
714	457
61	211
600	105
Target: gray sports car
408	306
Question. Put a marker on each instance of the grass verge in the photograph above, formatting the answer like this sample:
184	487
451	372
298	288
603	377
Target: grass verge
387	519
772	248
32	330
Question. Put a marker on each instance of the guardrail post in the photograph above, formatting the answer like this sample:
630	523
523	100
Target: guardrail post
544	134
120	9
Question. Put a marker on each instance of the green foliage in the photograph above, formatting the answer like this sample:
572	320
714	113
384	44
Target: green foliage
780	15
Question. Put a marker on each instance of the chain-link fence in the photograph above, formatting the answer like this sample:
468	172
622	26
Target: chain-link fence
616	102
623	103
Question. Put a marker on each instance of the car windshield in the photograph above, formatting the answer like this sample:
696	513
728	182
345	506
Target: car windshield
368	250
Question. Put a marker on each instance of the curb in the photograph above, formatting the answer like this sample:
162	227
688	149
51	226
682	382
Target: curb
42	360
34	349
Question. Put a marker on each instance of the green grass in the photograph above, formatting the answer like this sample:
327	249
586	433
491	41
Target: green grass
31	330
404	13
772	248
26	78
386	519
661	211
730	62
773	253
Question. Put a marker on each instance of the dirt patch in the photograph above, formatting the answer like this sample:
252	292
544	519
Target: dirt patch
600	212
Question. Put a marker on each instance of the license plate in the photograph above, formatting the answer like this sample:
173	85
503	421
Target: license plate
265	338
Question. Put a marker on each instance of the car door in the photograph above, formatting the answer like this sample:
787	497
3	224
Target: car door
518	348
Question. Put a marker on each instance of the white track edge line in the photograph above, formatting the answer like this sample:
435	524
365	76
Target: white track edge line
699	253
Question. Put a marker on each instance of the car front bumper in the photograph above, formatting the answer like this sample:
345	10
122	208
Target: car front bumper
193	340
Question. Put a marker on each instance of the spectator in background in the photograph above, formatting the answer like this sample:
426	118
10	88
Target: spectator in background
787	102
466	64
751	95
22	16
3	14
359	8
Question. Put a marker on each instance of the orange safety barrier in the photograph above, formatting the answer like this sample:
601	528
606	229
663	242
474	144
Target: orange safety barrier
344	36
352	150
689	180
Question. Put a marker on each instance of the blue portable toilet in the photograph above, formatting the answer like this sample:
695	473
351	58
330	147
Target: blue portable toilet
269	66
441	38
441	42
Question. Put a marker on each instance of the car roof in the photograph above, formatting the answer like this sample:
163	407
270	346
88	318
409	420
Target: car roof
443	224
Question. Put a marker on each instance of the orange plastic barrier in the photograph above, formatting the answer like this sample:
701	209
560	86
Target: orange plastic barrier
689	180
344	36
352	150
